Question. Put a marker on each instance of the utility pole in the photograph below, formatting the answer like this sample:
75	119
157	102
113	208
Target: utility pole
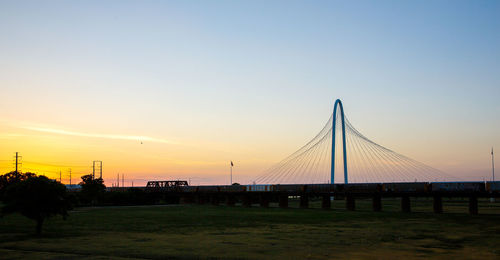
98	169
118	180
60	177
69	176
231	179
17	162
123	180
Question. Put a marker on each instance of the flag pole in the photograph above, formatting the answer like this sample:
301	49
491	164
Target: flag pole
492	171
492	165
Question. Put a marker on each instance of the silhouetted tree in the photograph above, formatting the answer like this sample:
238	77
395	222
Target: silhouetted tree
92	188
11	178
37	198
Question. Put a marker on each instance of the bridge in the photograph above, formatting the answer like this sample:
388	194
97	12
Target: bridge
367	170
340	153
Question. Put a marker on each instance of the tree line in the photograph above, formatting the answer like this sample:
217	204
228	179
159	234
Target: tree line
38	197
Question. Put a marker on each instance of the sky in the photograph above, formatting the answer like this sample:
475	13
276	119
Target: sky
201	83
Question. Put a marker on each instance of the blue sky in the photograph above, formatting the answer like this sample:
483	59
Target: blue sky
420	77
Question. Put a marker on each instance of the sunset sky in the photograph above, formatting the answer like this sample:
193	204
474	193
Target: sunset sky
201	83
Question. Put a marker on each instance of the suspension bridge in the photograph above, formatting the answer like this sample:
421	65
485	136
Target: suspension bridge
339	152
341	163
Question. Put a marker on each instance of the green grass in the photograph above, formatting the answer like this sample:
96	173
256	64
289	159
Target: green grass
193	231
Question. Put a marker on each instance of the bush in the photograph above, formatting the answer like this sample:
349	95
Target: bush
92	189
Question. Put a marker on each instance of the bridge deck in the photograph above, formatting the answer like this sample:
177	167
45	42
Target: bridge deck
418	189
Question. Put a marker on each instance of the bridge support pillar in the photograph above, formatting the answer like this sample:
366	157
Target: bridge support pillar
350	203
283	200
473	205
264	200
304	201
405	204
186	199
214	198
377	202
230	200
437	204
201	199
326	203
247	201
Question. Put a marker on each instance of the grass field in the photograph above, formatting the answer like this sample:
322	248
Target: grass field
195	231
